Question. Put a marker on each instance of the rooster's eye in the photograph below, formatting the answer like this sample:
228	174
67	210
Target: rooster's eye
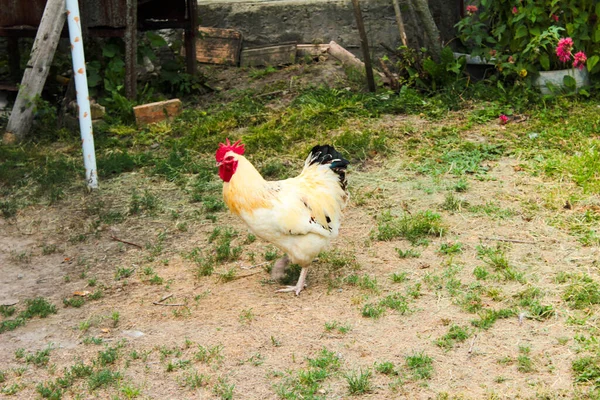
229	158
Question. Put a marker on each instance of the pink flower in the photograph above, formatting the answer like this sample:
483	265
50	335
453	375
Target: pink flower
515	10
511	60
472	9
503	119
580	59
563	50
555	17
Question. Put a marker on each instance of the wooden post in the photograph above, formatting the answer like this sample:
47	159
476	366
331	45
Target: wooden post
36	72
365	46
400	23
130	39
190	36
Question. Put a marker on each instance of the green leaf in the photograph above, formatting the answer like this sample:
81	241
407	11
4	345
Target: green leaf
569	82
598	10
597	34
155	39
521	32
592	61
535	31
110	50
545	61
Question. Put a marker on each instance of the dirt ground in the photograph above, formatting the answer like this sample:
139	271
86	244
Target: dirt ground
266	336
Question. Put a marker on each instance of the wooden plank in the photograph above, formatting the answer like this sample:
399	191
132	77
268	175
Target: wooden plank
311	50
269	55
218	46
158	111
36	72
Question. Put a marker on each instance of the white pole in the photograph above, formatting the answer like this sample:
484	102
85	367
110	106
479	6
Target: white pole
83	99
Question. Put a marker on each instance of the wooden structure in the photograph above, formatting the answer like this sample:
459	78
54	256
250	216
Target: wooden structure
106	18
218	46
273	55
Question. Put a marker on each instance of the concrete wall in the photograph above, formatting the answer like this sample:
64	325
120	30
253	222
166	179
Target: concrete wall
320	21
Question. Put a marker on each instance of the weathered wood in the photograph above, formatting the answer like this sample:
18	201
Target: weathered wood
191	34
364	43
281	54
218	46
400	23
158	111
347	58
311	50
36	72
130	38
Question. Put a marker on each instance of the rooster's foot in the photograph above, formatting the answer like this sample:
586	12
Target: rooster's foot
299	285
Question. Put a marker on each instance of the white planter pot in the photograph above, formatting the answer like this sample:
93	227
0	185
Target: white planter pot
554	79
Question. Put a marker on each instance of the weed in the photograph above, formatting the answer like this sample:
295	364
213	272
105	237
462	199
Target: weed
524	363
399	277
587	369
409	226
35	307
492	210
229	275
481	273
103	377
334	325
96	295
156	280
39	358
223	389
462	185
396	302
487	317
210	354
7	311
147	202
92	340
450	248
129	391
246	316
108	356
582	292
386	368
193	380
359	382
115	317
48	249
453	203
75	302
414	291
271	254
370	310
364	282
455	334
421	365
123	272
408	253
49	390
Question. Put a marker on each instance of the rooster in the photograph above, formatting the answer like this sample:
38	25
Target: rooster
300	215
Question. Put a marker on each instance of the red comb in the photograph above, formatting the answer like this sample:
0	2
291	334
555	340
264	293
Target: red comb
237	147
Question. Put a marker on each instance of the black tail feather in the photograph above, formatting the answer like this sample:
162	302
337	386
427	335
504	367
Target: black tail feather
326	154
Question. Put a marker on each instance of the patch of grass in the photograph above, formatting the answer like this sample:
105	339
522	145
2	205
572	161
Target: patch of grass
147	202
524	362
420	364
412	227
35	307
455	335
209	354
491	209
76	301
408	253
453	203
481	273
194	380
396	302
337	326
582	292
364	282
224	389
271	253
450	248
487	317
587	369
246	316
386	368
399	277
103	377
228	276
7	311
123	273
371	310
108	356
39	358
359	382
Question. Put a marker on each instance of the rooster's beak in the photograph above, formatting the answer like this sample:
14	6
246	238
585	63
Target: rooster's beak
219	164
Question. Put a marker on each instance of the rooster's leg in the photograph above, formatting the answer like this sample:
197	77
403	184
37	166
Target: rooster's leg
278	270
299	285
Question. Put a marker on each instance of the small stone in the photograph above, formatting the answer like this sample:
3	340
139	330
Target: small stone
20	276
133	334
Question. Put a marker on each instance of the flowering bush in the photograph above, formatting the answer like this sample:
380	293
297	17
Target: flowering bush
527	36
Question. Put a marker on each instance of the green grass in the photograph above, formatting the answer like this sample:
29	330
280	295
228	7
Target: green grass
412	227
582	292
103	377
359	382
456	334
34	307
420	364
488	317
